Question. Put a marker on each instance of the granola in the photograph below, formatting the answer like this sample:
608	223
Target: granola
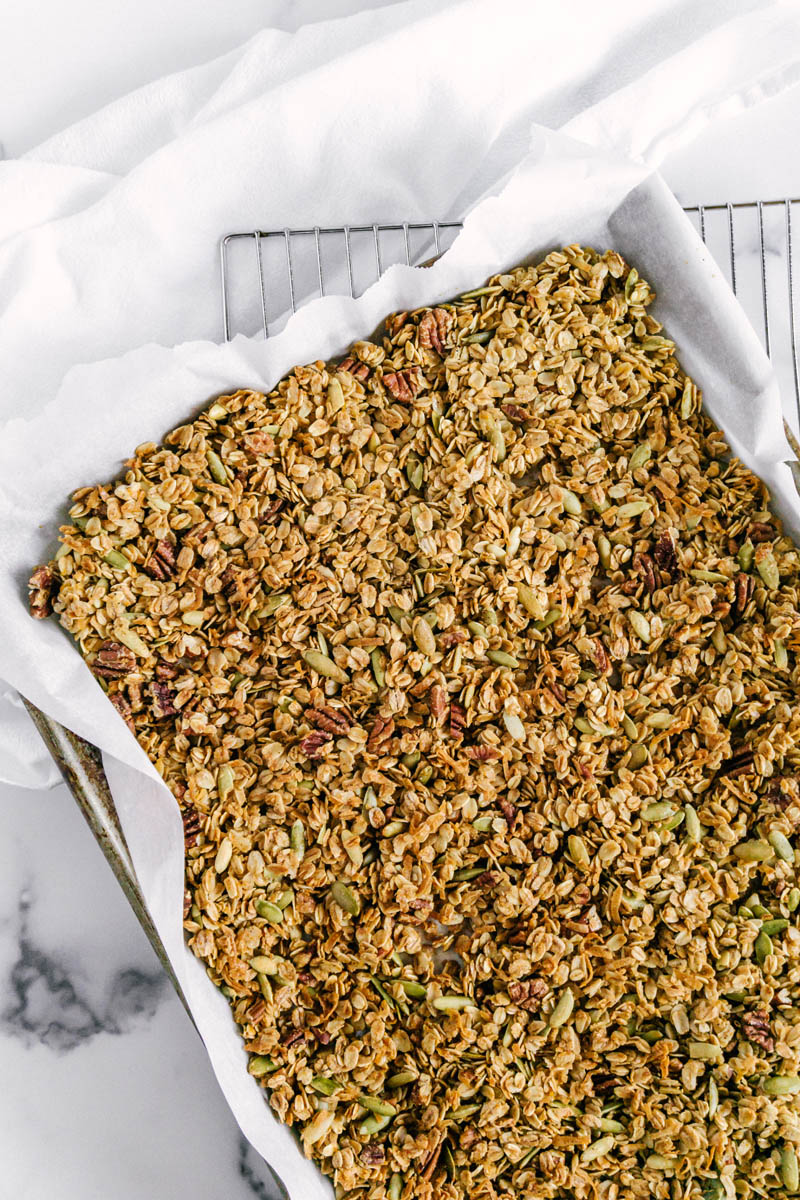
471	663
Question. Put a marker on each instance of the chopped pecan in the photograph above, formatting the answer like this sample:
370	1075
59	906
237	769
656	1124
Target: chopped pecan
452	637
601	659
756	1028
776	795
647	569
162	701
161	564
482	753
135	695
297	1035
122	706
528	993
404	385
514	413
744	586
322	1035
557	691
257	1011
359	370
583	769
382	729
760	531
236	584
395	323
192	826
508	810
738	764
437	702
666	554
313	743
272	510
488	879
114	660
373	1154
458	719
332	720
165	670
434	328
42	586
429	1166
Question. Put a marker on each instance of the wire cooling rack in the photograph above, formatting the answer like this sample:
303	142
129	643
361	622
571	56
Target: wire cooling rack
268	274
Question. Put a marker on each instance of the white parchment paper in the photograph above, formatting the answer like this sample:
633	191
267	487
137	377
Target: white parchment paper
562	192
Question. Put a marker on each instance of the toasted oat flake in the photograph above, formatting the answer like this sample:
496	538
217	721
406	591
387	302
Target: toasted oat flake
471	663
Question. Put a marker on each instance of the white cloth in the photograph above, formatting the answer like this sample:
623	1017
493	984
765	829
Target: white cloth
108	238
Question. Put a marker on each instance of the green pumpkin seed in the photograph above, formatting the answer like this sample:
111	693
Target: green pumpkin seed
463	1111
639	624
550	618
453	1003
502	658
263	964
480	338
563	1009
763	947
261	1064
713	1098
395	1188
660	811
597	1149
674	821
659	720
793	899
401	1078
377	660
604	550
415	472
687	400
478	630
217	412
269	911
746	555
634	508
656	343
482	824
297	838
718	640
417	991
373	1124
694	830
709	576
781	845
216	467
755	851
498	443
776	925
133	642
340	894
323	665
790	1173
571	503
225	781
659	1162
424	637
609	1125
425	774
578	852
529	599
630	283
704	1051
630	728
768	570
465	873
324	1085
640	456
780	655
116	559
637	757
781	1085
273	603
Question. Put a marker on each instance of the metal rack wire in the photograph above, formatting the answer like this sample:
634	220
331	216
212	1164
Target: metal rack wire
268	274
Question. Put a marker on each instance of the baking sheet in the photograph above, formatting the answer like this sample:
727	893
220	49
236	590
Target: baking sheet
562	192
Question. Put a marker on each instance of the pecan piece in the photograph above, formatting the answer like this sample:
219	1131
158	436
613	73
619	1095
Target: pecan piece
257	1011
162	701
114	660
332	720
359	370
192	827
452	637
373	1155
236	585
42	586
437	703
515	414
271	511
601	658
260	442
488	879
528	993
382	729
508	810
458	719
404	385
322	1035
297	1035
395	323
744	586
557	691
760	531
666	554
122	706
738	764
434	328
756	1028
161	564
647	569
481	753
165	670
313	743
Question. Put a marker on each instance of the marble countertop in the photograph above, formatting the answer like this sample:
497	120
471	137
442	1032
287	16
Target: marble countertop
107	1092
